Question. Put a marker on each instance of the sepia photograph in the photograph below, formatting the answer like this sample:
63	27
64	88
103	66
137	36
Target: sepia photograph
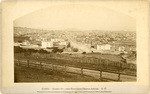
75	44
75	47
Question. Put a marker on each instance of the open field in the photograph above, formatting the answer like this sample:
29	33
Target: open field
101	75
91	61
89	67
25	74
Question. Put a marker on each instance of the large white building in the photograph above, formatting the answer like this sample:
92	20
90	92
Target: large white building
104	47
121	48
63	43
46	44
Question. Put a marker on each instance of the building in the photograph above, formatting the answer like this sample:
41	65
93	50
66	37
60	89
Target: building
65	43
124	46
25	43
121	47
104	47
46	44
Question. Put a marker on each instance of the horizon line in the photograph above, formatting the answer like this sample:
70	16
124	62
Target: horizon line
75	29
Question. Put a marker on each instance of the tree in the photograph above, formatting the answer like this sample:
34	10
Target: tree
68	45
75	49
18	49
42	51
60	50
83	52
55	50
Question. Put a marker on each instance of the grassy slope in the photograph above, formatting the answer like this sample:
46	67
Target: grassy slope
24	74
67	59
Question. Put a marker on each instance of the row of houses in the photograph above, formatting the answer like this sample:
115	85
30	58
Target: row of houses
122	46
54	43
116	46
43	43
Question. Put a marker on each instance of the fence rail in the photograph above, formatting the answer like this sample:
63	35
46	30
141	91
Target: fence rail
106	75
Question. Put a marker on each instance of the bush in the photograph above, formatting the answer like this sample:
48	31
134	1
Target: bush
42	51
18	49
83	52
60	50
75	49
68	45
55	50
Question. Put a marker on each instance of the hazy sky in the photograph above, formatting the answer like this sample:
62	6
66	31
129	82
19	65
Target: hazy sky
77	17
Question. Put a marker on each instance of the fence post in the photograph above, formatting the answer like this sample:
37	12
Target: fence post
100	75
41	65
119	77
81	71
18	62
27	63
65	69
52	67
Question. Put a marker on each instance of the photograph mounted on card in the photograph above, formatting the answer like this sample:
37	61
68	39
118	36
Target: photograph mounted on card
62	45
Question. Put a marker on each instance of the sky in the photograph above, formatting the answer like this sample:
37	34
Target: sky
77	17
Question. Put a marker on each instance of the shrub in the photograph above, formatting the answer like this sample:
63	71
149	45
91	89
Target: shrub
55	50
60	50
68	45
18	49
83	52
75	49
42	51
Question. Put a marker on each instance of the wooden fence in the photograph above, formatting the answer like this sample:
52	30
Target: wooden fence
83	71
